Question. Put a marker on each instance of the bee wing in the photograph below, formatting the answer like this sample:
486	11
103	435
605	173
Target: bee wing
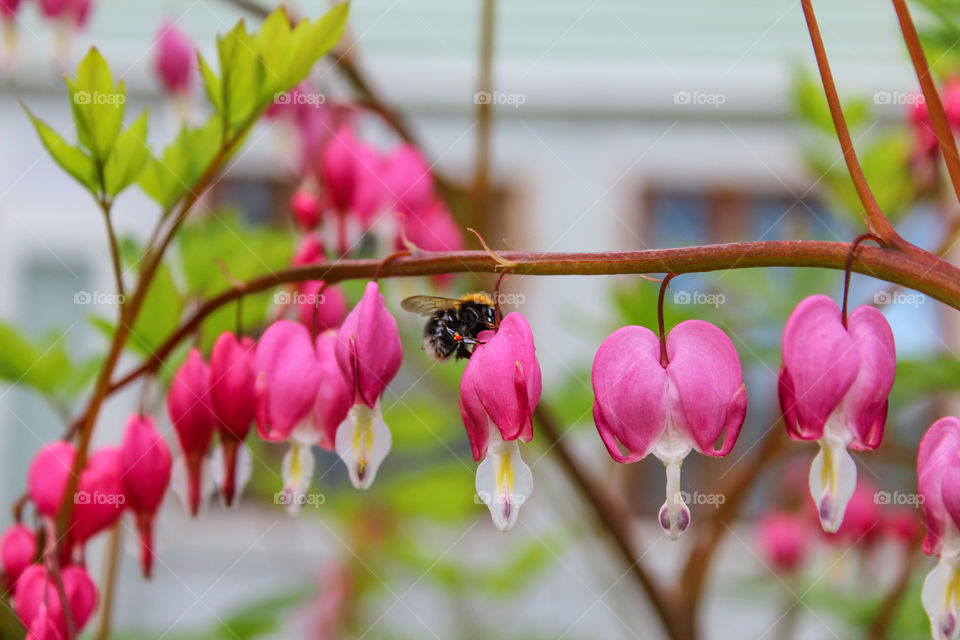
426	305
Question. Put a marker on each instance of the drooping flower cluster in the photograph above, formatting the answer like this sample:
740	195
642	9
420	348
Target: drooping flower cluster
361	191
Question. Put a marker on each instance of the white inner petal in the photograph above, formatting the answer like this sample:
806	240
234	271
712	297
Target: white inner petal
941	598
362	442
833	476
297	475
671	448
504	481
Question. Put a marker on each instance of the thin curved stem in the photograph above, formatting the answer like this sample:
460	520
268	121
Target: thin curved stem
664	360
846	275
876	217
941	126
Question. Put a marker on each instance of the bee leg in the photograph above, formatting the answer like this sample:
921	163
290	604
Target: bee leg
464	353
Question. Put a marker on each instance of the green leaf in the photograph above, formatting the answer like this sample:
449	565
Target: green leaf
211	83
242	73
310	41
127	157
99	104
43	365
71	159
167	178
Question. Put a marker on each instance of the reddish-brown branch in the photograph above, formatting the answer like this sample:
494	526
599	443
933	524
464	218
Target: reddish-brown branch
876	217
938	279
941	126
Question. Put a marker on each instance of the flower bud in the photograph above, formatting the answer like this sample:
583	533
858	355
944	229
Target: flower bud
190	410
18	550
305	209
174	60
49	475
38	605
146	463
232	382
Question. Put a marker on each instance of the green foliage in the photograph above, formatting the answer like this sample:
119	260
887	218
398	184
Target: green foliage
884	155
254	67
939	34
170	176
222	238
42	364
127	158
105	161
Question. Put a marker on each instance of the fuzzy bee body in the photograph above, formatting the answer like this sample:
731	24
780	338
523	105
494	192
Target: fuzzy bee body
454	323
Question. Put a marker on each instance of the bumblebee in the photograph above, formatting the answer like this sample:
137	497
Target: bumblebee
454	323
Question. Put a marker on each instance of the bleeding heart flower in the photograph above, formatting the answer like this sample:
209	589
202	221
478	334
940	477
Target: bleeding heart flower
288	375
305	208
191	411
174	59
100	498
938	482
18	550
784	541
334	394
499	390
643	406
320	307
146	464
232	382
409	184
48	476
38	605
369	353
833	388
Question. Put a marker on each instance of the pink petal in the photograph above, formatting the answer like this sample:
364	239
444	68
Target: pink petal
866	400
232	378
939	450
706	392
505	375
368	347
820	362
48	476
146	464
334	393
629	405
288	374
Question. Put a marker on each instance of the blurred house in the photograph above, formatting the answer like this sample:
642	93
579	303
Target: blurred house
620	124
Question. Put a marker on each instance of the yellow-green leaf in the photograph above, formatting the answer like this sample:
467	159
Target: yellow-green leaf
73	160
127	157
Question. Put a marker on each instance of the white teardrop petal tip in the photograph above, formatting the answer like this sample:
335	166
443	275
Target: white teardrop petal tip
363	441
504	482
